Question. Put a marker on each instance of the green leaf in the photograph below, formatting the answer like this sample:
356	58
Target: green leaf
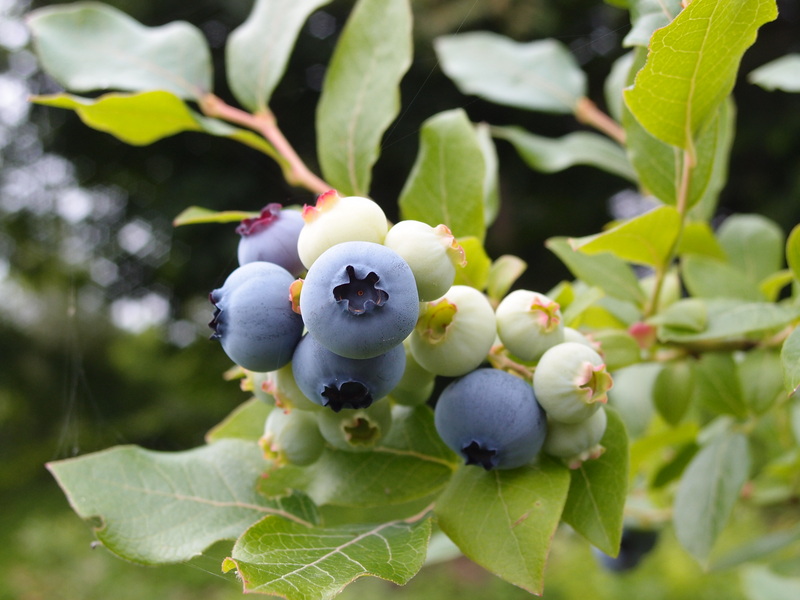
446	181
757	549
732	319
618	347
412	462
258	50
163	507
632	395
718	387
772	286
197	214
246	422
598	490
361	94
760	378
760	583
541	75
505	520
753	243
491	192
286	559
503	273
698	238
780	74
790	357
246	137
137	119
793	251
605	270
551	155
673	389
706	277
646	17
692	65
92	46
647	239
708	491
689	315
615	82
478	268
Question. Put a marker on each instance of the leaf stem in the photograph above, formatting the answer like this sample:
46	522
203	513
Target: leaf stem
499	360
265	123
588	113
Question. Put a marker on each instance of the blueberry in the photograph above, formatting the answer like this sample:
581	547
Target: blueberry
571	382
454	333
492	419
529	323
635	544
292	437
272	237
339	382
336	219
254	320
579	441
359	299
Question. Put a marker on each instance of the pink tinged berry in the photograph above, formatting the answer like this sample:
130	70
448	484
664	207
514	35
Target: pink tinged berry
336	219
529	323
272	237
571	382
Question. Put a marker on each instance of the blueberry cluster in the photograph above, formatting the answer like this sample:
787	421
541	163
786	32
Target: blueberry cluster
332	310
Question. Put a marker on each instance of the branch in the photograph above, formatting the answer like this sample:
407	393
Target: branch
265	124
588	113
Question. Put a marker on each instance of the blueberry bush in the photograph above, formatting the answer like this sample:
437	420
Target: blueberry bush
402	390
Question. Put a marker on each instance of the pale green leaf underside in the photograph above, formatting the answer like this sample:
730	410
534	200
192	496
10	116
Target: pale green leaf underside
162	507
92	46
540	75
361	94
194	215
258	50
761	583
780	74
708	490
551	155
598	490
646	240
505	520
279	557
646	17
790	357
692	66
446	184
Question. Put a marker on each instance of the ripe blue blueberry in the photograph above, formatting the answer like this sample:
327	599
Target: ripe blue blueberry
253	317
492	419
359	299
635	544
272	237
339	382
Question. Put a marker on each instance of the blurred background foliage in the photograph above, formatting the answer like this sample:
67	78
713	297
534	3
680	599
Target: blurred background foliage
103	327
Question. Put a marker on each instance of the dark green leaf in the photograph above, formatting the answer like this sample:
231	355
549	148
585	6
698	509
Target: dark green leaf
92	46
257	51
282	558
605	271
675	466
598	490
780	74
162	507
361	94
691	67
541	75
793	251
446	182
708	490
761	379
505	520
551	155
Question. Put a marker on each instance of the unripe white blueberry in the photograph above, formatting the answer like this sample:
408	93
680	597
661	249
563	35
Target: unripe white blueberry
432	253
454	333
529	323
571	382
284	389
292	436
336	219
576	441
358	429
